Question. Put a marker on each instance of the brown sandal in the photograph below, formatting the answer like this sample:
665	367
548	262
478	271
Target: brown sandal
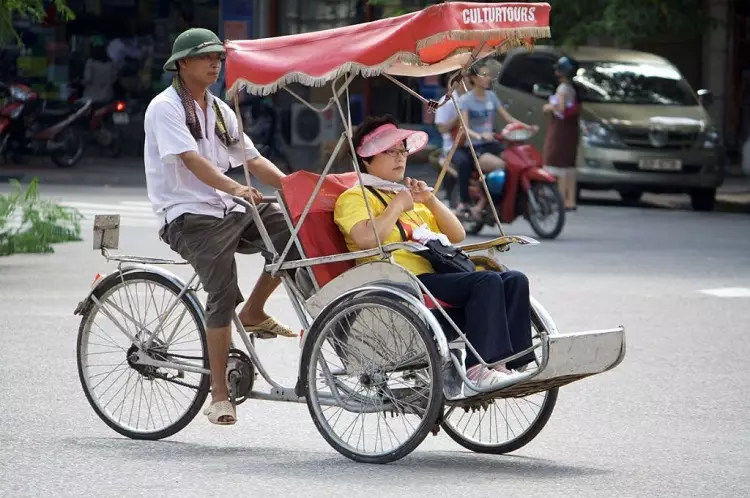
269	329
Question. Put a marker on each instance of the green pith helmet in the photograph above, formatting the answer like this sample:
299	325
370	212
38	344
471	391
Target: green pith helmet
194	41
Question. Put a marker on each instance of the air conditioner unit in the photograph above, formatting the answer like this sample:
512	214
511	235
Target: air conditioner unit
310	128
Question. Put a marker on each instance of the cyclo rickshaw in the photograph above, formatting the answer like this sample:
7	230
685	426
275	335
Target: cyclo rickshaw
381	358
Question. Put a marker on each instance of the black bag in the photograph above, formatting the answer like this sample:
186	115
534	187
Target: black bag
444	259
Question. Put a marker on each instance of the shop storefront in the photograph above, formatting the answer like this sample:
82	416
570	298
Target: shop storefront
55	51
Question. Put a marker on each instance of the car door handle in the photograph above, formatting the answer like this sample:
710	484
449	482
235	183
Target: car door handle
530	111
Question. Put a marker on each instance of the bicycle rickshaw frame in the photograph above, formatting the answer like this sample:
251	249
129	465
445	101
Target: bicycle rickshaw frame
381	278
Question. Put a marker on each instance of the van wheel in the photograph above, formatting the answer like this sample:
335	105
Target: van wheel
703	199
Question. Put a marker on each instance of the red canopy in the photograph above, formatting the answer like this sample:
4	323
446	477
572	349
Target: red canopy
437	39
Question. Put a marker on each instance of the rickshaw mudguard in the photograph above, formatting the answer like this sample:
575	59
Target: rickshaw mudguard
384	288
85	305
373	273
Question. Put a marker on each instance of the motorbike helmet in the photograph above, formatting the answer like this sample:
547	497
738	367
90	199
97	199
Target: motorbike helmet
566	66
496	182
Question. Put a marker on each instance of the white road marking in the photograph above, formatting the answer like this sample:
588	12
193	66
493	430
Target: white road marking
132	213
728	292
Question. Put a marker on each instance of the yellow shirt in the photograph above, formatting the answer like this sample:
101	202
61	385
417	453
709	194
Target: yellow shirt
350	209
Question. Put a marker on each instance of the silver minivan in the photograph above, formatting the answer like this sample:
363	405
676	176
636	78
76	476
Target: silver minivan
643	128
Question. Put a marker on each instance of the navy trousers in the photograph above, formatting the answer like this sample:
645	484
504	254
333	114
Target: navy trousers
496	311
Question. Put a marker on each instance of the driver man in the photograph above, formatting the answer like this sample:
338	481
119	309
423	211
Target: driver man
191	141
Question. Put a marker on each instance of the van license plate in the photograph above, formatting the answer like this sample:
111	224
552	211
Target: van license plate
121	118
660	164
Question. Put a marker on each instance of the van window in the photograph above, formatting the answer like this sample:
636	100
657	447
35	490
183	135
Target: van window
633	83
524	71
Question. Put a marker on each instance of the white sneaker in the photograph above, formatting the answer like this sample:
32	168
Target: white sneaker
483	378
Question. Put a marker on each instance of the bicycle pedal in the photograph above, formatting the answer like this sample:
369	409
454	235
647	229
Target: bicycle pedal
264	335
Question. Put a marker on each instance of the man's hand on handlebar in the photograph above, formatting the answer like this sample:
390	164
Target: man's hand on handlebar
249	194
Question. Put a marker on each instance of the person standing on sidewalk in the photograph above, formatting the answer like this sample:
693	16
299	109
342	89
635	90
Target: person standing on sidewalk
563	133
191	140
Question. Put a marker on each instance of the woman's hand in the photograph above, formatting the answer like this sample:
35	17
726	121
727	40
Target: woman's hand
547	108
420	192
404	200
488	136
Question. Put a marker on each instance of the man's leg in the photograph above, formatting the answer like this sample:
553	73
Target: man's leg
208	245
217	340
253	312
219	278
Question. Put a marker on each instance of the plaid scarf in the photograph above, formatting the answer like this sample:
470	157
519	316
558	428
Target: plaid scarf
191	116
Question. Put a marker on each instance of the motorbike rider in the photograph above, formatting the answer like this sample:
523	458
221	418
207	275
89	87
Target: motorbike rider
191	139
479	106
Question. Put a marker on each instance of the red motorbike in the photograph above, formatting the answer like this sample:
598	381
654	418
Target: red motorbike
103	126
29	126
524	188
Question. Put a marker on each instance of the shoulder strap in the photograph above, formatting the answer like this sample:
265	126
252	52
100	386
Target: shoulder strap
398	222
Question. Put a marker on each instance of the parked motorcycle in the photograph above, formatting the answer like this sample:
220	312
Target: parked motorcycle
523	188
103	125
29	126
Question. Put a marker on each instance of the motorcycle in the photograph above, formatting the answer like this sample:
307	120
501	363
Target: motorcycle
29	126
523	188
102	126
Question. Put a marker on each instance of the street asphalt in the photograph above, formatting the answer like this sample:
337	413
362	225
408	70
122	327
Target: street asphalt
671	420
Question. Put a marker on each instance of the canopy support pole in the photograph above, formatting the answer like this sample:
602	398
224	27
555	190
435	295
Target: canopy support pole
352	149
254	211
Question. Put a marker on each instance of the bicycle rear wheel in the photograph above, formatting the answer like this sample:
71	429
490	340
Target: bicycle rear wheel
139	401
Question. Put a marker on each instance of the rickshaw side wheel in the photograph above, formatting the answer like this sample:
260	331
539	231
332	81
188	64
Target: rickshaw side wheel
515	444
512	412
198	387
425	373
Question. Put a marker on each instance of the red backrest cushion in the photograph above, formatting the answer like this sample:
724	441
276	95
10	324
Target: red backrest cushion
319	235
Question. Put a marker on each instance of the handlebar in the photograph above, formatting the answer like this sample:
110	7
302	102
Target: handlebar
267	199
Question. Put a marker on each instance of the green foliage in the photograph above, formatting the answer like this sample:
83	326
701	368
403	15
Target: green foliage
41	222
574	22
32	9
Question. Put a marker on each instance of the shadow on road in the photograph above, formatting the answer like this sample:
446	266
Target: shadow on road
304	463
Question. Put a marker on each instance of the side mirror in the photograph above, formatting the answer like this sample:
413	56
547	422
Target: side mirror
705	97
542	91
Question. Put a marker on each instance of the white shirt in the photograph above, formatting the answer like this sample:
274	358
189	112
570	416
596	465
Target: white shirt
445	114
172	188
